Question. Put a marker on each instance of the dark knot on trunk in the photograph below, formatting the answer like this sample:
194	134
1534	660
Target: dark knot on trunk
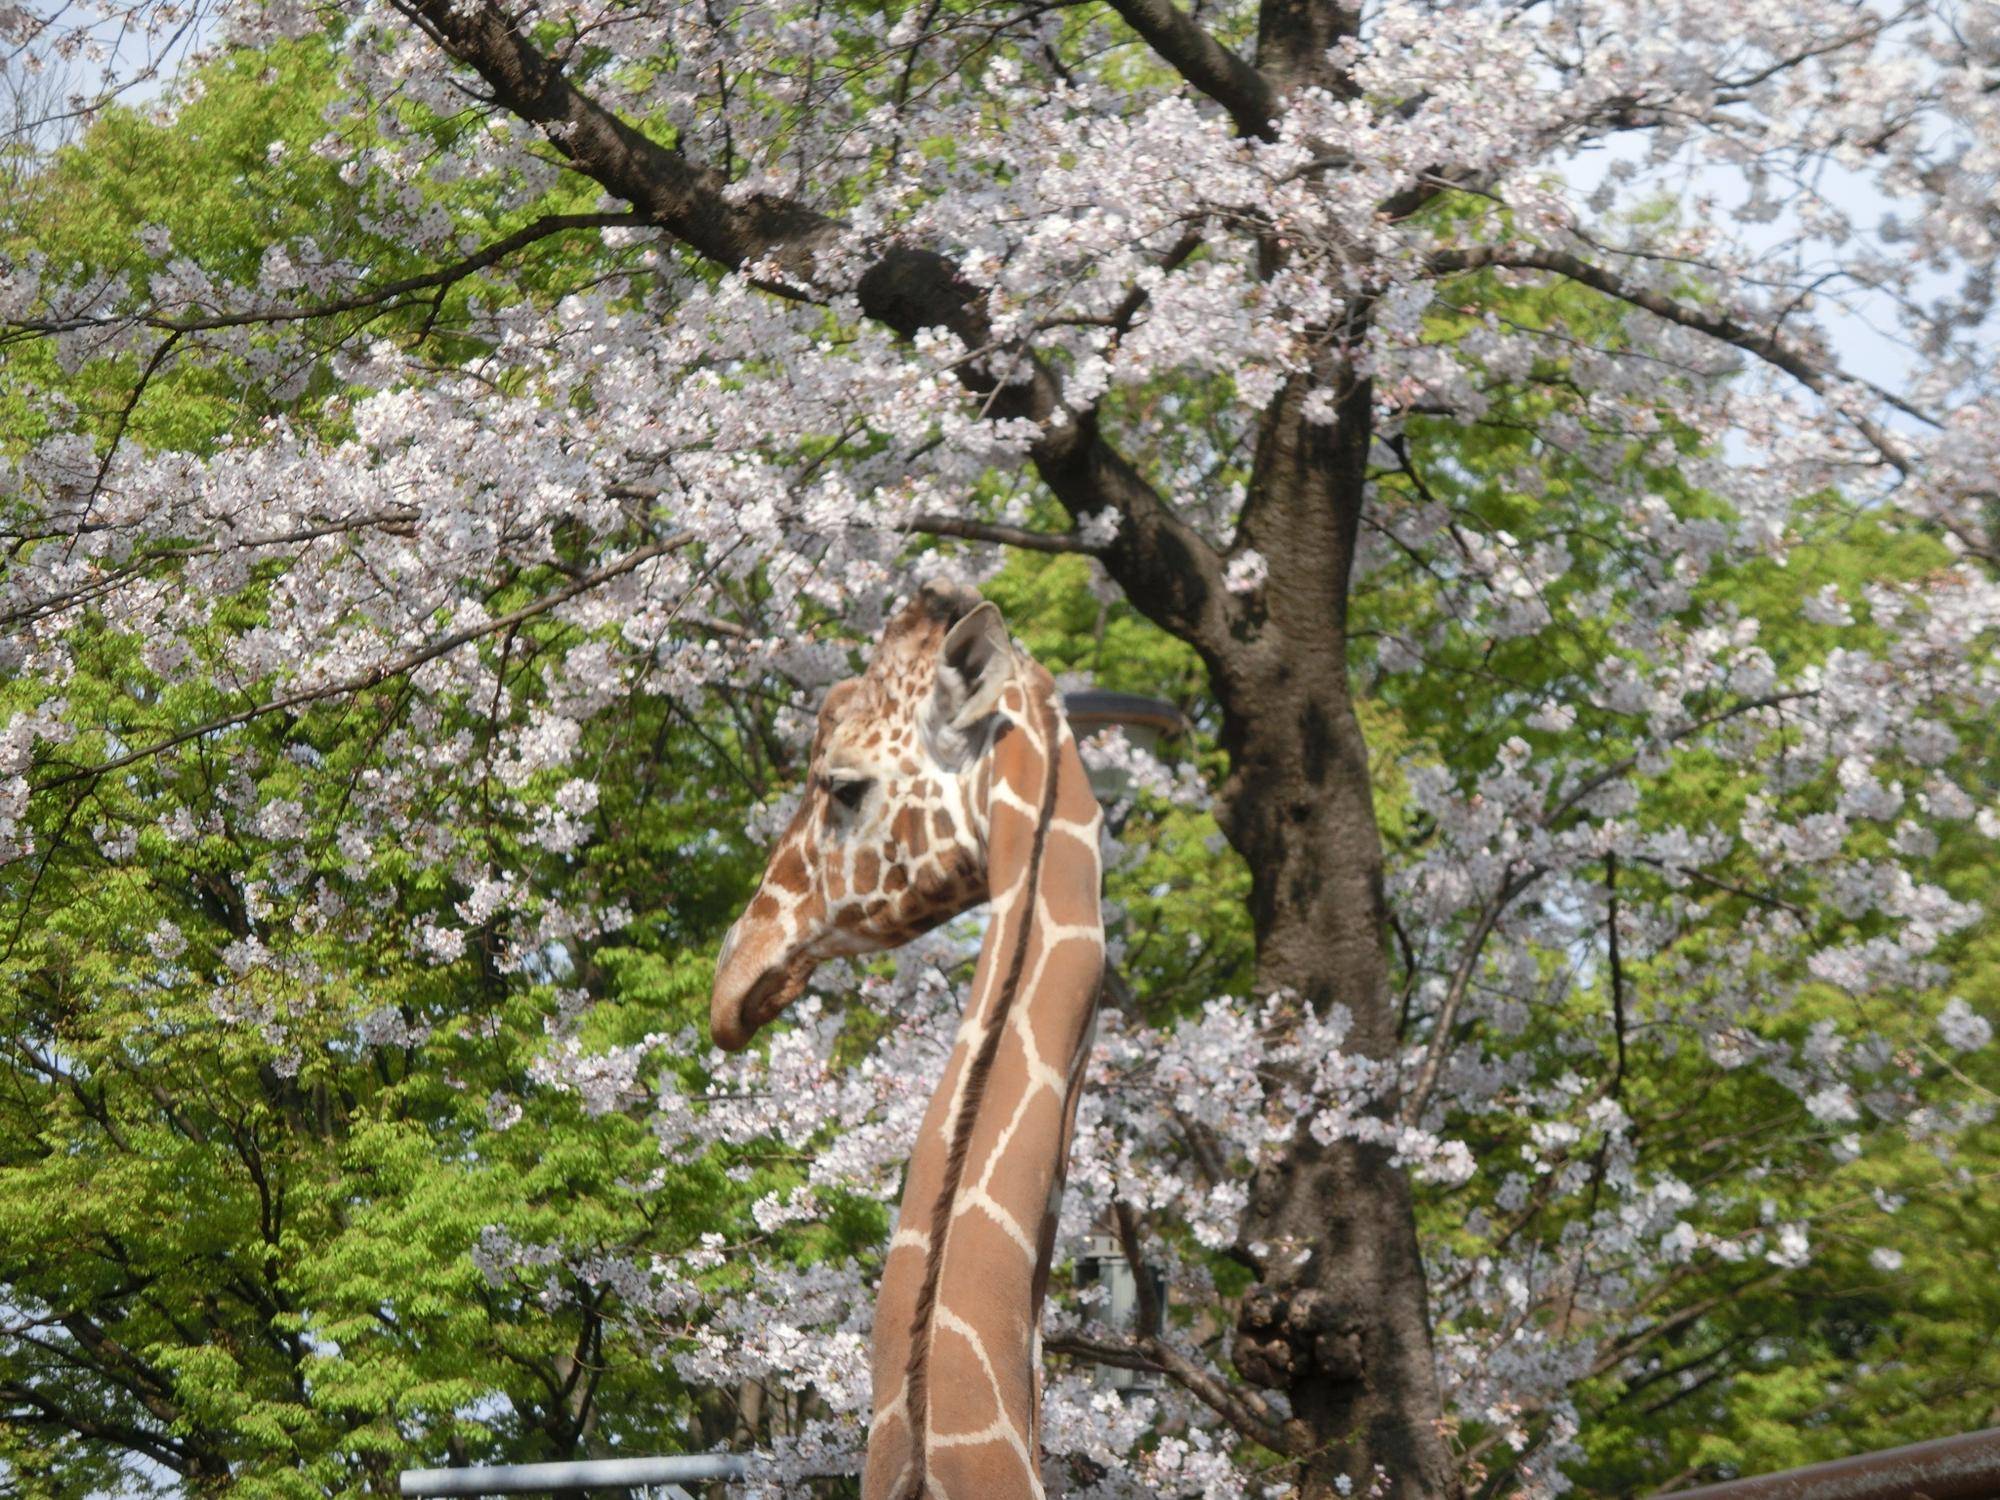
1283	1337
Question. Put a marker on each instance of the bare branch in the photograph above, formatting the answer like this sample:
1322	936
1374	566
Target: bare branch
1461	980
1627	762
1489	916
1815	377
1243	1410
1006	536
1617	990
369	297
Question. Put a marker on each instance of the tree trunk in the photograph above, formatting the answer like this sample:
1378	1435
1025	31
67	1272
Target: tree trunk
1339	1319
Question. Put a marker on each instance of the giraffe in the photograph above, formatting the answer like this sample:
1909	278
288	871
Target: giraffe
944	776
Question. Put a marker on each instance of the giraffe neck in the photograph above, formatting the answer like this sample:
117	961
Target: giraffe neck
1025	1031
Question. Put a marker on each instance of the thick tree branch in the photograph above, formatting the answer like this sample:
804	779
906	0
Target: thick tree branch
1166	566
1135	1260
669	189
1204	62
42	1412
124	1368
1296	41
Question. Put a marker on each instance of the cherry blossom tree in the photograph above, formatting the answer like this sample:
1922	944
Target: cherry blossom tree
1474	365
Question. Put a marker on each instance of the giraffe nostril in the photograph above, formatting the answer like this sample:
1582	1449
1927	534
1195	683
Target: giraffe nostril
738	1010
766	998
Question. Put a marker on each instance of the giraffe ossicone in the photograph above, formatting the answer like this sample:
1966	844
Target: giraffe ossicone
945	776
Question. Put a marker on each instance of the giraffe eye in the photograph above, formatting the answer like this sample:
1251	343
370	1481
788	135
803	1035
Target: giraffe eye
848	791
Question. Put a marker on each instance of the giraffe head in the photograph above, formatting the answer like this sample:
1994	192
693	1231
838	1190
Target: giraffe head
889	838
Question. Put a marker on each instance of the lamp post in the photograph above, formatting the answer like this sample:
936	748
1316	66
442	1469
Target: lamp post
1103	1263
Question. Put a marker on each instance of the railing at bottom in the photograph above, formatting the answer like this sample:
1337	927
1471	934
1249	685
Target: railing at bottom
1966	1467
581	1474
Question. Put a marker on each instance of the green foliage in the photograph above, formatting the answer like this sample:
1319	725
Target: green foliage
240	1216
265	1269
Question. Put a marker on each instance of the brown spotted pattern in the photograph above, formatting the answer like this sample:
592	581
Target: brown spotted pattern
942	777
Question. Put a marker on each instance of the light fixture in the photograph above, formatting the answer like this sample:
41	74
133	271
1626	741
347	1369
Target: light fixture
1147	722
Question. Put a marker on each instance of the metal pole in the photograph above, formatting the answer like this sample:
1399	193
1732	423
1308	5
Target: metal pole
584	1474
1966	1467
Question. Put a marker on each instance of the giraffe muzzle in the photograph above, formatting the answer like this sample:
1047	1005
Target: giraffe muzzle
745	999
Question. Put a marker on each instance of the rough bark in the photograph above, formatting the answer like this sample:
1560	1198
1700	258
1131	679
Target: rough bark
1339	1319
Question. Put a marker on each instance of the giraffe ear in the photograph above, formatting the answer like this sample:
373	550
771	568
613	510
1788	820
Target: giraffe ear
973	669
